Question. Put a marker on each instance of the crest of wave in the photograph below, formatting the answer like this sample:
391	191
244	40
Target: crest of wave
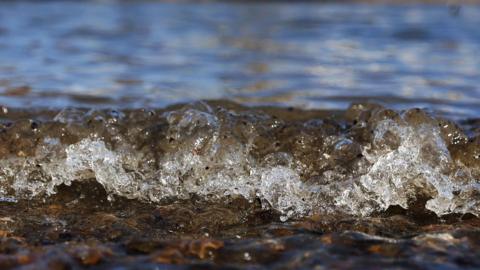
203	161
207	155
410	160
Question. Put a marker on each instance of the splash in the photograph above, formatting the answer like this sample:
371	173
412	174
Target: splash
363	163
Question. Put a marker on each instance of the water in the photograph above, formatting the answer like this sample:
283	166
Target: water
309	152
297	168
305	55
223	185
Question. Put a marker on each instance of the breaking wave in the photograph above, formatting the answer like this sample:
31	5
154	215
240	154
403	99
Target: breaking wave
358	164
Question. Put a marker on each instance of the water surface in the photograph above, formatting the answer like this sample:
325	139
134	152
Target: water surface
108	160
305	55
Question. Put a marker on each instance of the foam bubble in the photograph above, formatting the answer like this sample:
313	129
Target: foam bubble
295	168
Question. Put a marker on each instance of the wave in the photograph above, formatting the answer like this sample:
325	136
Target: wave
297	163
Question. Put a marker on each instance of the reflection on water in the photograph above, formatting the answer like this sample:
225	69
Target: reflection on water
306	55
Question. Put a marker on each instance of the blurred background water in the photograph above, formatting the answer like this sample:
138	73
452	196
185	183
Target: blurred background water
308	55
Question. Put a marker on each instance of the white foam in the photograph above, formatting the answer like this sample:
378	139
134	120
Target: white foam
401	163
420	166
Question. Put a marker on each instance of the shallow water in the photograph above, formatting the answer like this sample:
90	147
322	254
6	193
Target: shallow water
307	55
216	184
108	160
